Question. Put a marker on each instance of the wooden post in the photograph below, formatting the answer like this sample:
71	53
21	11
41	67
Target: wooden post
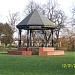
52	38
19	37
42	39
28	38
42	43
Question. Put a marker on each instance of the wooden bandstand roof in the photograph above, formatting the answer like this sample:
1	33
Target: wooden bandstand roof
35	20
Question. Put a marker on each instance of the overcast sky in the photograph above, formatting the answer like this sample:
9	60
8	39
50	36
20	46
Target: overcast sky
19	5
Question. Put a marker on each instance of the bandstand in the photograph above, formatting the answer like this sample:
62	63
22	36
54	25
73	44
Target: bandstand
35	21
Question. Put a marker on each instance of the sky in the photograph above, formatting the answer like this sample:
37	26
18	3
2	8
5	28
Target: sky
19	6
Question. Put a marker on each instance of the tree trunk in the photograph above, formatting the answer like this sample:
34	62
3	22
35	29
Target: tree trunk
57	40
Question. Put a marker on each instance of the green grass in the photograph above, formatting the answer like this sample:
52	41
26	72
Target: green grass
36	65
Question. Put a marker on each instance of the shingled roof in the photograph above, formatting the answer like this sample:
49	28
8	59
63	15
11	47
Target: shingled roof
35	19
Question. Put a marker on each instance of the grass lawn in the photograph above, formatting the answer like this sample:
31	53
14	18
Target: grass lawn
37	65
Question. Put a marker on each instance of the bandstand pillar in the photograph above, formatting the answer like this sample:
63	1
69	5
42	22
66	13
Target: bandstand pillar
52	38
28	38
19	37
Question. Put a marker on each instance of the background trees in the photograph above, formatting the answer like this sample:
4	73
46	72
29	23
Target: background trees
6	34
69	31
1	29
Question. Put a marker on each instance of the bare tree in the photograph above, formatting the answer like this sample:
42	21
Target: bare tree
73	19
70	37
56	15
73	15
59	20
71	30
31	7
13	18
51	8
